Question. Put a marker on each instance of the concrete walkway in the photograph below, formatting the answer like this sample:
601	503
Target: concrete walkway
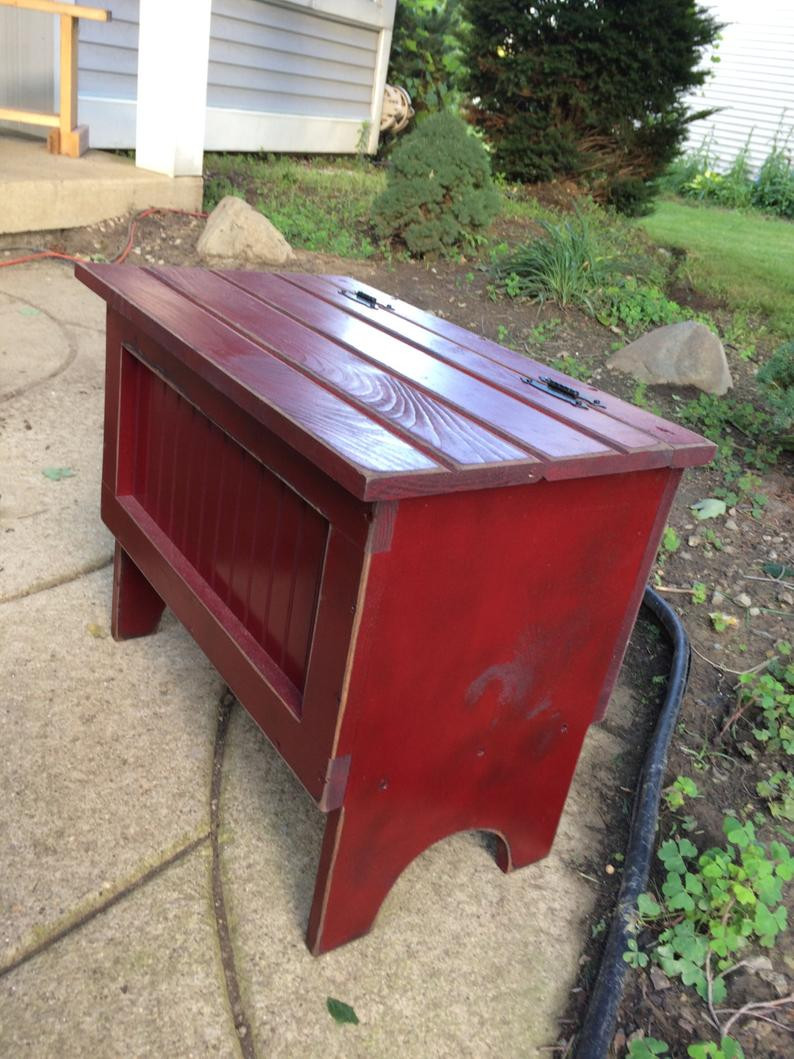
109	943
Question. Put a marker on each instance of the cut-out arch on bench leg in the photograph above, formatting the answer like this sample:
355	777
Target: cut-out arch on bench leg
359	866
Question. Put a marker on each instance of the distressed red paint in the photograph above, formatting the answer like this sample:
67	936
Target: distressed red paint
417	572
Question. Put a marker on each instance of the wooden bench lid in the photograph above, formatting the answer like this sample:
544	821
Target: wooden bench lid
386	399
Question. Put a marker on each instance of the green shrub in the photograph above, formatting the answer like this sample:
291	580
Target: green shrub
586	88
698	175
733	189
683	169
565	264
439	190
777	381
594	260
426	57
774	186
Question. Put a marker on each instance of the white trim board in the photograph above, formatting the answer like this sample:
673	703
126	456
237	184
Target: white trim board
247	130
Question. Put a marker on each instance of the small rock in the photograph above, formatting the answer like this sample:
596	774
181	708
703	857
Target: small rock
717	599
743	600
659	979
683	554
754	612
236	231
729	549
693	542
778	981
685	354
786	597
731	524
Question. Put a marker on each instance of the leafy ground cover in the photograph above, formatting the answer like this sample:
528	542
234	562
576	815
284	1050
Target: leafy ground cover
715	915
322	205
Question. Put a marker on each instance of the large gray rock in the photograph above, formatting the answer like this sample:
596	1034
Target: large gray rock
236	231
686	354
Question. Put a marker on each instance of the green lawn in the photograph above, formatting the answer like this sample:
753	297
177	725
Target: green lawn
746	258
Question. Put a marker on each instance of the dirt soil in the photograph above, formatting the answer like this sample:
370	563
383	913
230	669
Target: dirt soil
728	560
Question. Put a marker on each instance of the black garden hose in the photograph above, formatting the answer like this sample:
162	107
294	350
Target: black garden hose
598	1027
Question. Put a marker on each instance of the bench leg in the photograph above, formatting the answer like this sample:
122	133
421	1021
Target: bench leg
359	864
136	606
366	849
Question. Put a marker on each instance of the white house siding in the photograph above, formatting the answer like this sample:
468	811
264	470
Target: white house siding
285	79
284	75
753	81
108	75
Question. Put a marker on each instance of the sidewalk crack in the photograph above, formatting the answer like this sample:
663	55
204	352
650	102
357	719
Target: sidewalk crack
56	582
233	995
103	906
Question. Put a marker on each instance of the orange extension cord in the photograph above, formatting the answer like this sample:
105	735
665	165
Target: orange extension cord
39	255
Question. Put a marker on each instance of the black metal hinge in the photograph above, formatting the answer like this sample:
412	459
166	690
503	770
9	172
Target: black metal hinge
366	299
562	391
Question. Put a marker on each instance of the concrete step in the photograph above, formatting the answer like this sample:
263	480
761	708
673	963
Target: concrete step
41	191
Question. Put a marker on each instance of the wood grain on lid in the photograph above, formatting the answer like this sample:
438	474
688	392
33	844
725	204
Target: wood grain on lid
390	402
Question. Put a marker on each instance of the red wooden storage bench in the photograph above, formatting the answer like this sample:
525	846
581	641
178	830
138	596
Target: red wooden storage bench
415	556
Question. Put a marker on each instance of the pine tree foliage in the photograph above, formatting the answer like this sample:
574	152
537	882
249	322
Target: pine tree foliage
589	89
426	57
439	189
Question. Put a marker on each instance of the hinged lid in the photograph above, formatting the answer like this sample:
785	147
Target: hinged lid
388	400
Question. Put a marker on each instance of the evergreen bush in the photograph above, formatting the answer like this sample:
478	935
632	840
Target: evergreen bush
591	89
426	57
438	189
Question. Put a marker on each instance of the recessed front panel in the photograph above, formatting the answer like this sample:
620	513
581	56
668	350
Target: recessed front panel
254	541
